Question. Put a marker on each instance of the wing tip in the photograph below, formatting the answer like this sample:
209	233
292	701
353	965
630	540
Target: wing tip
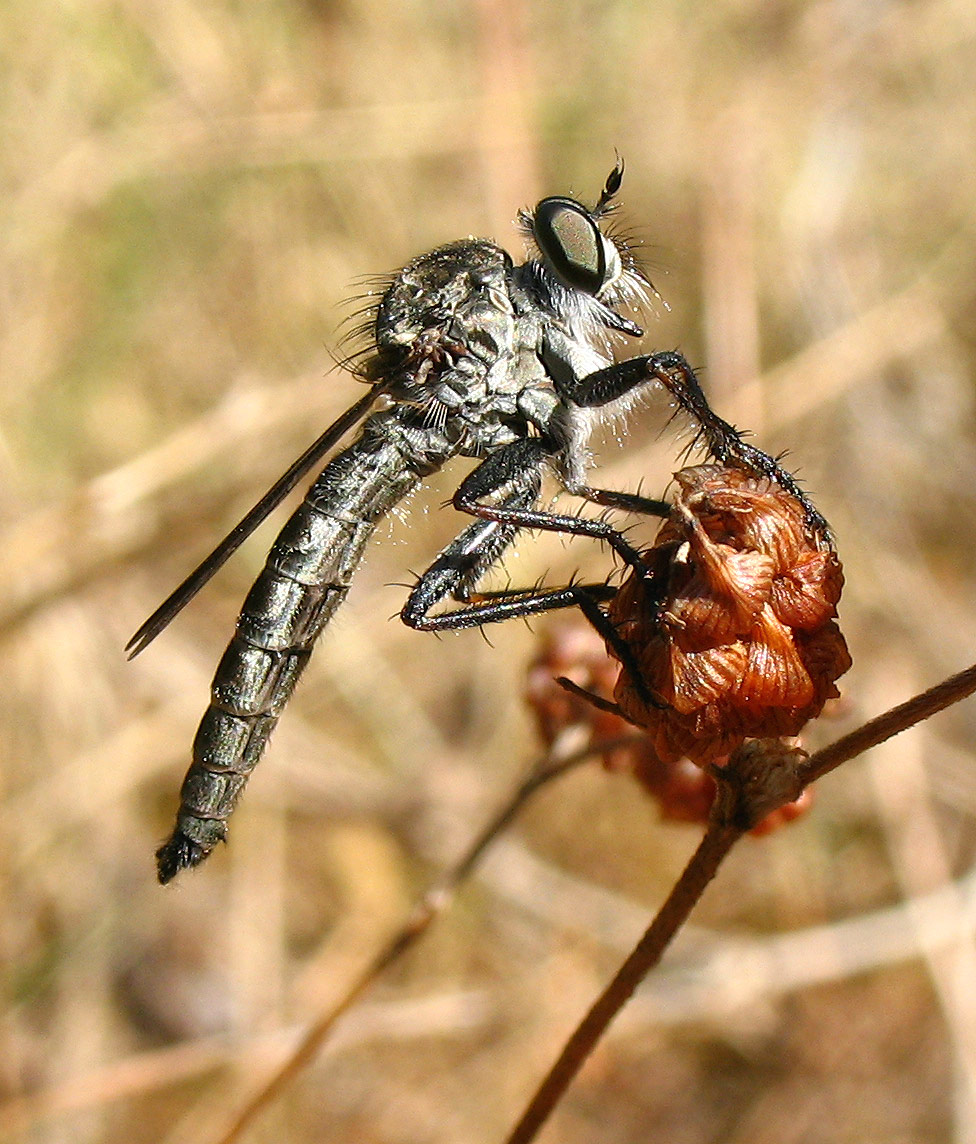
135	645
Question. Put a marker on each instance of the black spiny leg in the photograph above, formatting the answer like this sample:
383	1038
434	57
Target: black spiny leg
492	607
514	474
502	468
443	578
626	502
723	441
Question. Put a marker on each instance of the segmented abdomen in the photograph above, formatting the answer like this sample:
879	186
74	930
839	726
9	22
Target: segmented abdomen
305	579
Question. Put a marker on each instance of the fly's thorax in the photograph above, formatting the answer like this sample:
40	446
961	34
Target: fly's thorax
445	333
436	295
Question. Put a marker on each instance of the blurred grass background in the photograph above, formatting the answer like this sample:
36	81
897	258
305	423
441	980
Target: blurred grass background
189	192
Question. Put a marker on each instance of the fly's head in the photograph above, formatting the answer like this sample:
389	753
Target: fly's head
585	271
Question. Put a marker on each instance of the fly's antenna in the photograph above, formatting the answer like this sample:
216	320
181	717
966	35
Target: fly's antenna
610	187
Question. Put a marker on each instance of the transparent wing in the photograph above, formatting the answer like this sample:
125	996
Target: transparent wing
181	596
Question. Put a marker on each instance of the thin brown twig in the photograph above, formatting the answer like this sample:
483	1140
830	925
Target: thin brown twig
749	786
915	710
700	870
431	904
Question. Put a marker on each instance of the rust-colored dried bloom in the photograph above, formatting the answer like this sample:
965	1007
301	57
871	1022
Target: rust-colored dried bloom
682	790
574	650
733	630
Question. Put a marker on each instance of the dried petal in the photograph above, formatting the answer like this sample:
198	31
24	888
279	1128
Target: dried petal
742	579
775	528
826	658
709	617
733	626
701	677
775	675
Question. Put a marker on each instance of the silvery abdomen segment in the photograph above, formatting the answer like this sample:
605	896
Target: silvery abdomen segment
445	334
305	579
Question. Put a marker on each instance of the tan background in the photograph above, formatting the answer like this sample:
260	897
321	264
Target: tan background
187	192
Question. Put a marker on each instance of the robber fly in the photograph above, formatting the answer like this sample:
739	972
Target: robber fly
470	355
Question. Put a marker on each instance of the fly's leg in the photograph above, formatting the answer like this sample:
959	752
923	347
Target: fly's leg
516	470
723	441
591	697
625	502
504	467
448	575
514	481
455	572
492	607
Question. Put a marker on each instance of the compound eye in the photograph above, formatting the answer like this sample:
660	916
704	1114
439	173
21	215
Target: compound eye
572	243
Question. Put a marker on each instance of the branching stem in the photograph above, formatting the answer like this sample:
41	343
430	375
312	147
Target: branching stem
758	778
704	864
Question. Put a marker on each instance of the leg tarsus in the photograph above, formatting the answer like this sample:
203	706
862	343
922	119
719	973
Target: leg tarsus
502	605
591	697
626	502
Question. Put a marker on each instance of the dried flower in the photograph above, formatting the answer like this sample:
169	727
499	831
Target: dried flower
575	651
733	627
683	791
732	630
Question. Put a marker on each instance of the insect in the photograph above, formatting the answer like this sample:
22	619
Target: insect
471	355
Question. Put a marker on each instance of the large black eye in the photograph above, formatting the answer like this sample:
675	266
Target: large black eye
572	243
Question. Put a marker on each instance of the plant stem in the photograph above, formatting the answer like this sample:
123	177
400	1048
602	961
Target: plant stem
714	846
